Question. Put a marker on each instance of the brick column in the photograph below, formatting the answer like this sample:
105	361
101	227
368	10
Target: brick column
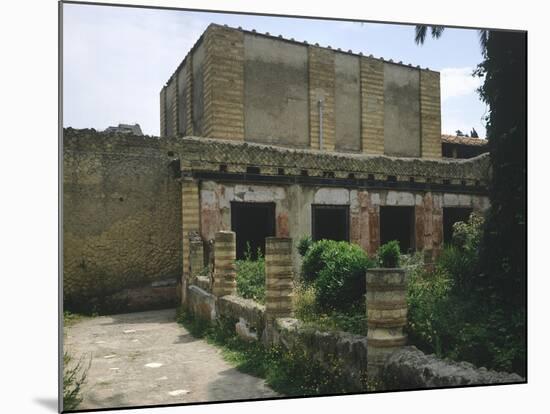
386	316
279	278
372	106
224	83
190	208
430	114
224	264
321	87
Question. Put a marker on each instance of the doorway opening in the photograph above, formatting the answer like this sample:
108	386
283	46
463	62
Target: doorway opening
397	223
329	222
452	215
252	223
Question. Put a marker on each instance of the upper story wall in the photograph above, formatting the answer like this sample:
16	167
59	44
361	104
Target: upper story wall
247	86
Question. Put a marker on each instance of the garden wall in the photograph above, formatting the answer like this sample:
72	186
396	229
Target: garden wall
410	368
121	211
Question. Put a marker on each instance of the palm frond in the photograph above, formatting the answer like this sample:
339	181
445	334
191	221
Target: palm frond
420	34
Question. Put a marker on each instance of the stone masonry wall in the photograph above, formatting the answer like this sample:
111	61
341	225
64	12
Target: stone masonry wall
372	106
321	87
409	368
430	114
121	218
224	83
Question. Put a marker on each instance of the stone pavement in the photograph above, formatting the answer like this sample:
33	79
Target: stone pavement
147	358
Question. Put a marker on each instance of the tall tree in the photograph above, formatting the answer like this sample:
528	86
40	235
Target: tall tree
502	273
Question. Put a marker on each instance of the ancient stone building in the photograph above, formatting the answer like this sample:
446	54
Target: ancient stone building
264	136
290	139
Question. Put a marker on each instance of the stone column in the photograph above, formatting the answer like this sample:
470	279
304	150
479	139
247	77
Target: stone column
224	264
279	278
386	316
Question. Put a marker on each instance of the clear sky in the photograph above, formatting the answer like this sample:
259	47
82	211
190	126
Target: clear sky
116	59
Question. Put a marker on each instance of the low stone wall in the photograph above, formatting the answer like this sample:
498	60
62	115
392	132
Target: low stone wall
201	304
249	314
347	350
410	368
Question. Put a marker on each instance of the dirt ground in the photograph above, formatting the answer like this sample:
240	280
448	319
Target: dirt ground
146	358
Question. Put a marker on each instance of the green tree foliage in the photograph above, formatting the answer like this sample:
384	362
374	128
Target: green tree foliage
499	280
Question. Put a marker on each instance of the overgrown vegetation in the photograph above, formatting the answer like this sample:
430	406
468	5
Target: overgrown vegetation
251	276
499	276
388	254
450	316
304	244
74	377
292	373
331	293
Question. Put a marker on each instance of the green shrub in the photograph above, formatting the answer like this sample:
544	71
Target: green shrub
451	315
251	276
340	277
388	254
314	260
304	244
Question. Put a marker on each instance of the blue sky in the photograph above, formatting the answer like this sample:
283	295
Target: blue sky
116	59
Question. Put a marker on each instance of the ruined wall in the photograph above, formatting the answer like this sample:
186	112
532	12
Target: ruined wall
275	92
293	210
121	218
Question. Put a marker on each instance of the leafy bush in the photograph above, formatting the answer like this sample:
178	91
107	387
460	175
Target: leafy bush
388	254
304	244
451	315
251	276
314	260
336	270
342	280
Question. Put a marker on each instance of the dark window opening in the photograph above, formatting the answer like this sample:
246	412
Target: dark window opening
392	178
252	223
328	174
446	182
223	168
411	179
330	222
351	176
451	215
370	177
281	171
397	223
304	173
253	170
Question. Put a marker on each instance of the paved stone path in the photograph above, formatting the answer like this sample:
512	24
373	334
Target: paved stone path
146	358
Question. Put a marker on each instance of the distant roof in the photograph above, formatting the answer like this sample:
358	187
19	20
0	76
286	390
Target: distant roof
453	139
125	129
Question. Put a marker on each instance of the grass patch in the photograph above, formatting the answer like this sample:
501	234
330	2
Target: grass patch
292	373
